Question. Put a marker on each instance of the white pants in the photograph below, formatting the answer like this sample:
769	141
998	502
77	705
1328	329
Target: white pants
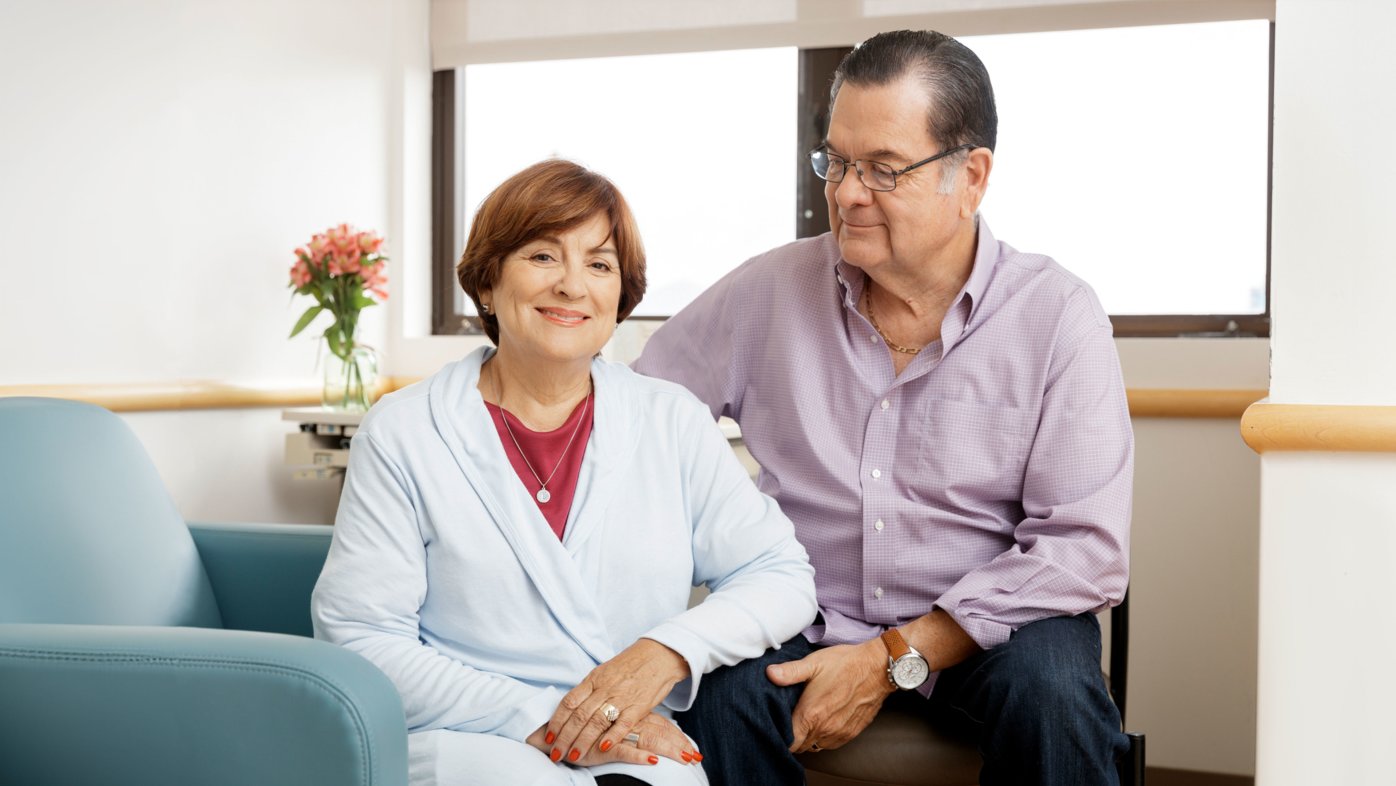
453	758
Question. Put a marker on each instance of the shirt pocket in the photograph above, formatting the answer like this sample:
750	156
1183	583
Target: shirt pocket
972	453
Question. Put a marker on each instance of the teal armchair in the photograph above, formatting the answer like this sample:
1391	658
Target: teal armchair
136	649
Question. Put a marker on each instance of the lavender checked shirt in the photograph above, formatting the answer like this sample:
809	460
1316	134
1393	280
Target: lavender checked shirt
992	479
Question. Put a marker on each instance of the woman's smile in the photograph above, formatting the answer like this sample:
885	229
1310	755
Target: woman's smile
562	316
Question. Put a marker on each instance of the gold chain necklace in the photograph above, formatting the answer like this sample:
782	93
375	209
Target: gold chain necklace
867	300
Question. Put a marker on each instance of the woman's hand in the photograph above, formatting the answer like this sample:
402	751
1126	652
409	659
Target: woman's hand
634	682
654	736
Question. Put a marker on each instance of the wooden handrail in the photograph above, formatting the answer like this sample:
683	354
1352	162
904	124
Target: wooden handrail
181	395
1268	427
1190	403
200	394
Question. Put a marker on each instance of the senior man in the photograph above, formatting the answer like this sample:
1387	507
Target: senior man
943	418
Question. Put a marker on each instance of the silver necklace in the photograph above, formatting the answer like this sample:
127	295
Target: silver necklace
543	494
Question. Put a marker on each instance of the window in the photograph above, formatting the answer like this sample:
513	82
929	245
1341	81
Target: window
1137	157
707	170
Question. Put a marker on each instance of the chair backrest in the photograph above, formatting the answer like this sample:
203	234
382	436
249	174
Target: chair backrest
88	532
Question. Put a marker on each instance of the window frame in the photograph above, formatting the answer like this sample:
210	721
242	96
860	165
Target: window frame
447	204
816	68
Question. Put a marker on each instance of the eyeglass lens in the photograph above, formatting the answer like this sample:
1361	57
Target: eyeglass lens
875	175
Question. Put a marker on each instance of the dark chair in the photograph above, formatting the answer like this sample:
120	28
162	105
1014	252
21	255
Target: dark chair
902	748
136	649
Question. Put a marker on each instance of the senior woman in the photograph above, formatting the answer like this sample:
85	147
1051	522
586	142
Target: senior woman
519	533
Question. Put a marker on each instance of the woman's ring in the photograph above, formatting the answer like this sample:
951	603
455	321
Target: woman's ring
633	738
610	713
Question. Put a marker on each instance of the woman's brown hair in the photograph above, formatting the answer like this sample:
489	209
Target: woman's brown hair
548	198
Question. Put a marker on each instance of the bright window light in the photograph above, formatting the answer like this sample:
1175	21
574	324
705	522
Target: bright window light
1137	158
702	146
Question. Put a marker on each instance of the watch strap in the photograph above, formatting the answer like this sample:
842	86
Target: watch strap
895	644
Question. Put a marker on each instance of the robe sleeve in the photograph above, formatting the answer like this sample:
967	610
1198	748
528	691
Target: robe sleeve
744	549
369	596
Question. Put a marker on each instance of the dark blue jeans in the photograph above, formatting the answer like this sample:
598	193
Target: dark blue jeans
1037	704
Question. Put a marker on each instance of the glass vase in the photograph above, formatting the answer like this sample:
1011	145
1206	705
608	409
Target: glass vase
351	383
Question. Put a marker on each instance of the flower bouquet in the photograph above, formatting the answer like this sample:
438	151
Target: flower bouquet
344	271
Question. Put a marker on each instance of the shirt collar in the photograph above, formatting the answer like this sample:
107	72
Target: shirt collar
986	257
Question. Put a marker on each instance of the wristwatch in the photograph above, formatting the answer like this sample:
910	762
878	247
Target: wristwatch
906	668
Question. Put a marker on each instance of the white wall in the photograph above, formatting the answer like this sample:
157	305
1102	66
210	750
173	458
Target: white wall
1333	270
1193	588
1328	531
1194	571
162	159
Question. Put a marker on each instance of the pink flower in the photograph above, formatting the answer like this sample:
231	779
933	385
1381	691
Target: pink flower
343	240
370	242
300	274
375	280
337	253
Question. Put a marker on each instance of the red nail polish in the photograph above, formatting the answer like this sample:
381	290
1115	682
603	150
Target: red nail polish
605	745
548	739
556	755
687	757
574	755
697	756
654	760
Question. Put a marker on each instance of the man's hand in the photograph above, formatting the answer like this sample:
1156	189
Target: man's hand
845	687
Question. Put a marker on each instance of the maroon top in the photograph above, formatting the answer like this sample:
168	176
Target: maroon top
545	449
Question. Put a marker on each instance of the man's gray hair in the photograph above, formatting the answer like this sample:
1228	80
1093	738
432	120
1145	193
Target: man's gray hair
961	95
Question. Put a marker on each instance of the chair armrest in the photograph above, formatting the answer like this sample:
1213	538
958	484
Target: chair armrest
116	704
262	574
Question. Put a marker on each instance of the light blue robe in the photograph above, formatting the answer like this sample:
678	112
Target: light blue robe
444	573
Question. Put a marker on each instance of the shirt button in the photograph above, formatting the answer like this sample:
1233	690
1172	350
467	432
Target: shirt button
886	403
877	593
877	525
877	473
873	338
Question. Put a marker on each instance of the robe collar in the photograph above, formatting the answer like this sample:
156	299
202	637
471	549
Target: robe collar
459	415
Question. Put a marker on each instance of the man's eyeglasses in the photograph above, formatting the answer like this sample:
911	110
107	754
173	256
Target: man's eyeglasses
876	175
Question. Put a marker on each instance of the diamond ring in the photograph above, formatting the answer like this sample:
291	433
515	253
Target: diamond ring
610	713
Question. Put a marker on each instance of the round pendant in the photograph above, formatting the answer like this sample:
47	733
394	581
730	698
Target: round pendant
543	495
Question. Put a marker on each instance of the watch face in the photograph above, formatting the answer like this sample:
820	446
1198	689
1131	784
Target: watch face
909	672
